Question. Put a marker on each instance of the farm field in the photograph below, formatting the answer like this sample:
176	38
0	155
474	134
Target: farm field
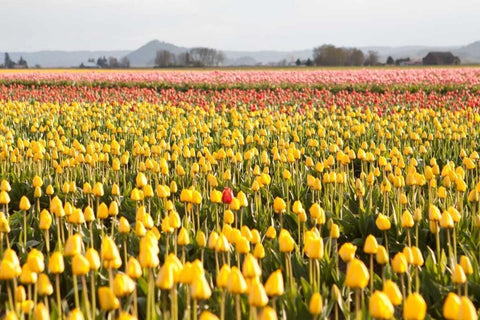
251	194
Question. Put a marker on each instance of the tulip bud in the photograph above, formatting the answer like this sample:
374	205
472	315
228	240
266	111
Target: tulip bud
391	289
222	244
381	256
183	237
133	269
227	195
44	286
315	305
417	257
73	245
24	204
407	220
357	275
215	196
467	310
102	212
250	267
259	251
371	245
108	301
236	283
41	312
286	242
279	205
334	231
314	248
257	296
399	263
434	213
347	251
80	265
35	261
458	275
93	259
98	189
274	286
200	288
466	265
380	306
123	226
383	223
271	233
27	276
451	306
123	285
415	307
55	263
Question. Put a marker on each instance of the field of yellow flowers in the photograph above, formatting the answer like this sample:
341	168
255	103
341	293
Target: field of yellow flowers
123	201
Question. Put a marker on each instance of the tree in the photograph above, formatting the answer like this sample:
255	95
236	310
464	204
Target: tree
372	58
22	62
113	62
390	60
205	57
354	57
309	62
125	62
102	62
183	59
329	55
298	62
8	63
164	58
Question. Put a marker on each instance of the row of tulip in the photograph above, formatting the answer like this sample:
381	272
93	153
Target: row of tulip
183	211
466	76
284	99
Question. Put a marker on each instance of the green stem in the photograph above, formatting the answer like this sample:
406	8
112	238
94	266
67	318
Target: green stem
92	289
371	273
75	291
238	307
59	301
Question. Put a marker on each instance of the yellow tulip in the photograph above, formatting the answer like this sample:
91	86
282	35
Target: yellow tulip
279	205
80	265
315	305
380	306
391	289
274	286
451	306
357	275
371	245
107	299
347	251
286	242
467	310
55	263
415	307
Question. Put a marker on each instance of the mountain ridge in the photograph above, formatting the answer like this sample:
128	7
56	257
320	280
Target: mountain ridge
144	56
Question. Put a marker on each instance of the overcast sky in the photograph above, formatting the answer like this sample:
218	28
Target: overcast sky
31	25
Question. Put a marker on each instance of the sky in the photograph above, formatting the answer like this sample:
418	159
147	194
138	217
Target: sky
250	25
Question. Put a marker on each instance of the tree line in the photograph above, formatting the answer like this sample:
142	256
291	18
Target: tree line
8	63
195	57
108	63
329	55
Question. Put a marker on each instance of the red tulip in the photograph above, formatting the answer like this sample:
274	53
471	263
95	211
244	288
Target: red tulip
227	195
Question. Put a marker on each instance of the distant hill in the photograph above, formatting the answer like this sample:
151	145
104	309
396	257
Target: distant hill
145	55
62	59
469	53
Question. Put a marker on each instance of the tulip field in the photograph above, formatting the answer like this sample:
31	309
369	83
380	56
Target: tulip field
240	194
